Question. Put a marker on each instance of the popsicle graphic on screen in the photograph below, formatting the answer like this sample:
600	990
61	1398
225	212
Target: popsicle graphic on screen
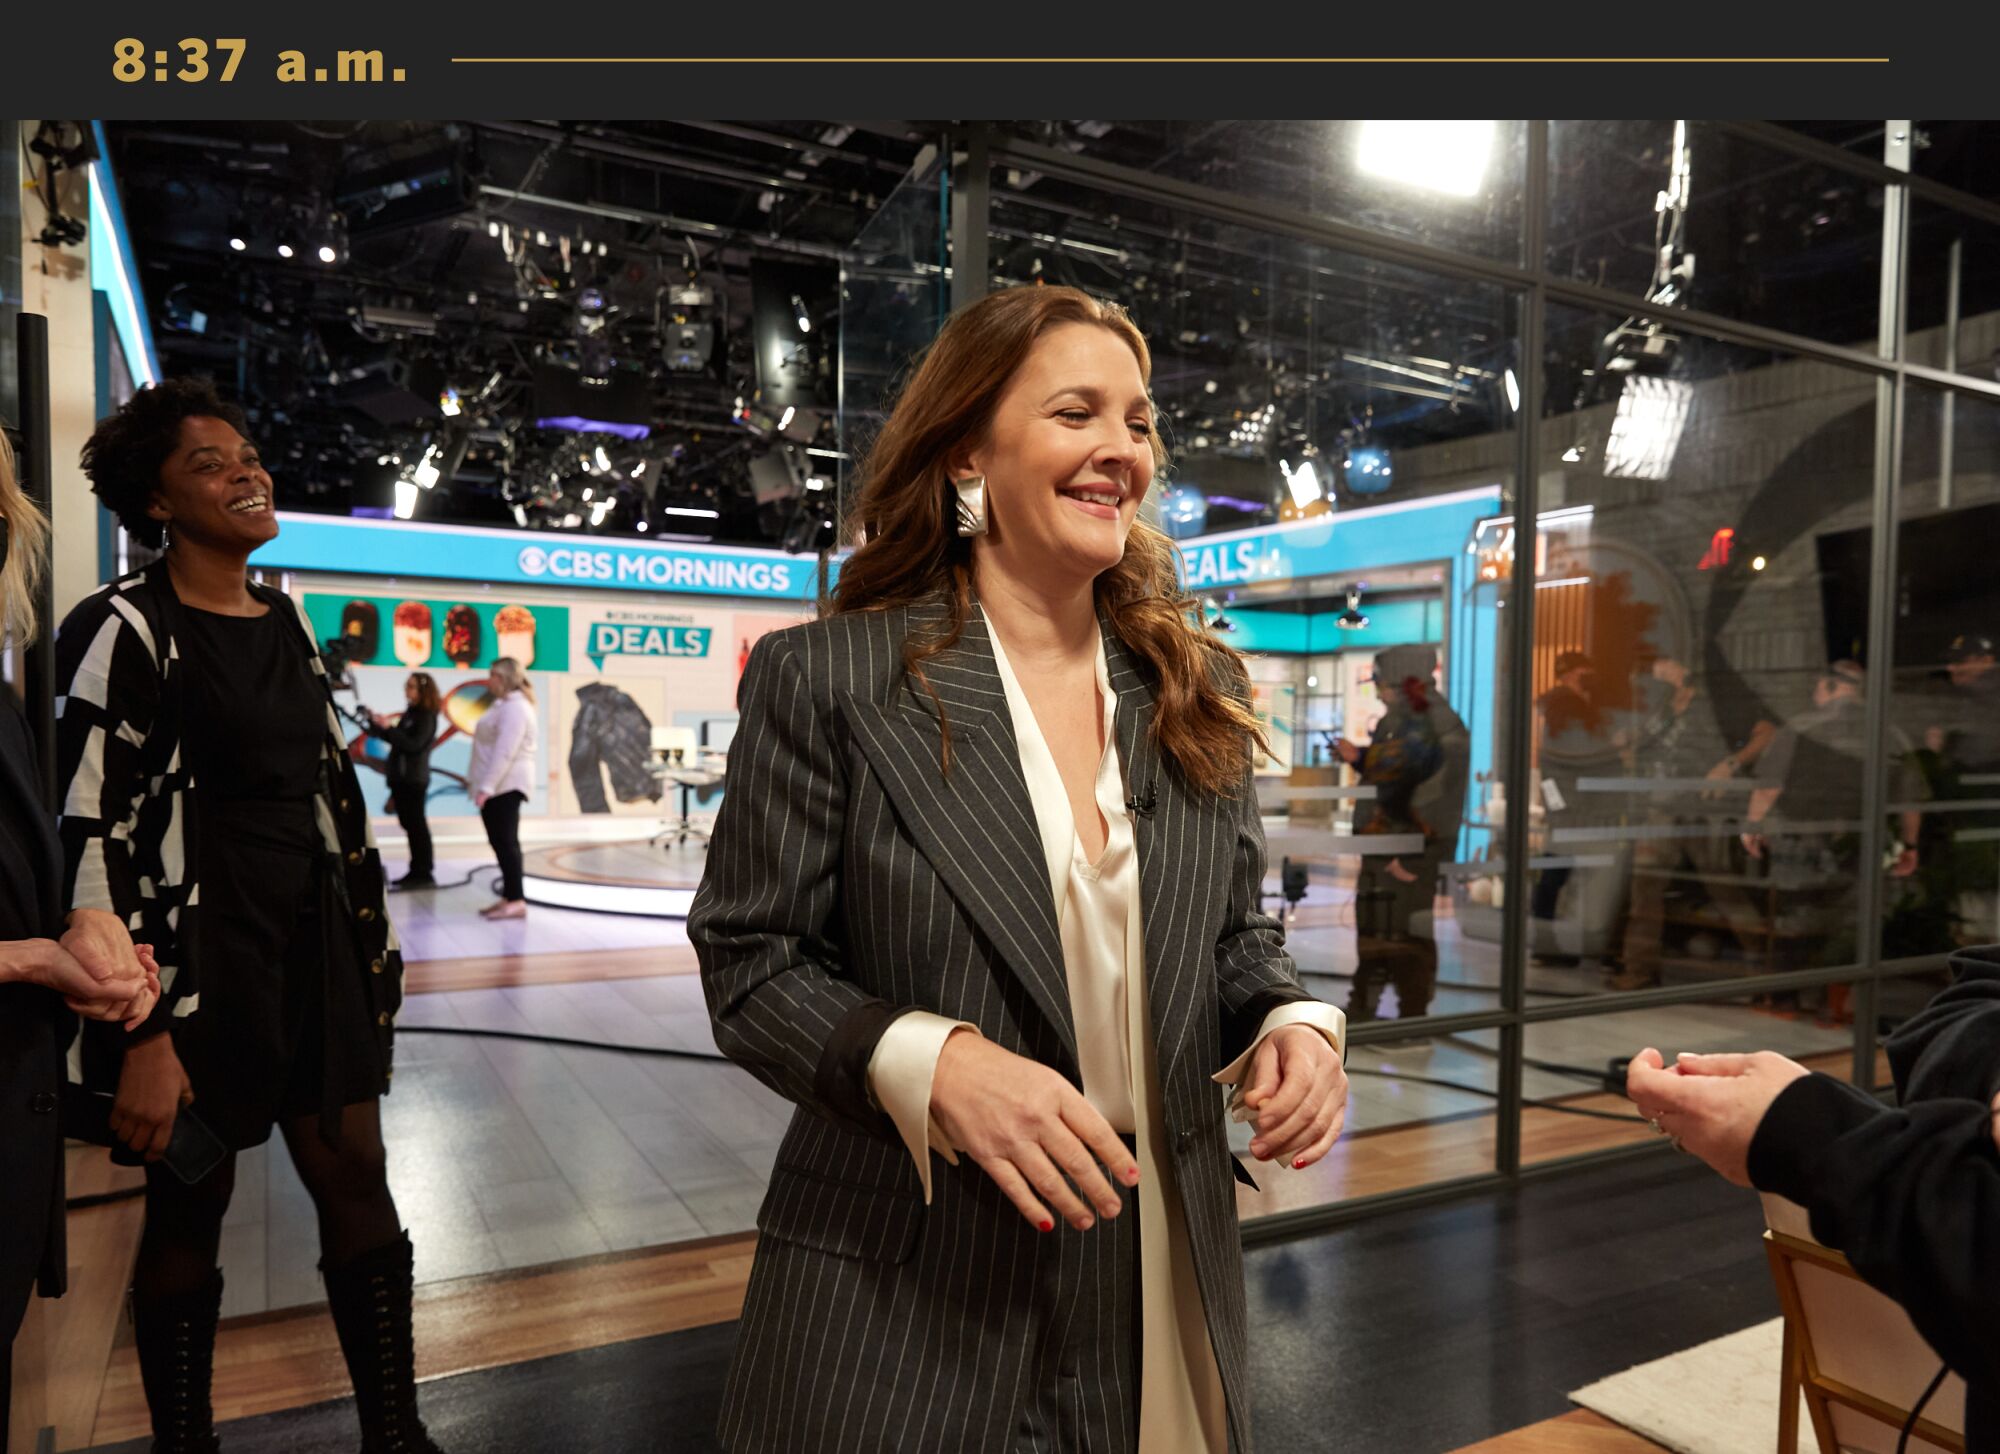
361	630
461	635
413	633
514	626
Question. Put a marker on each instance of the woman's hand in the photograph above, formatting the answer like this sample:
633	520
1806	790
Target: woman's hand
1711	1104
1029	1129
99	941
479	799
1298	1092
46	963
152	1088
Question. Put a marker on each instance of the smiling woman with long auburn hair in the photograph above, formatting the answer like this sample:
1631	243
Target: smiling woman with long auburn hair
986	888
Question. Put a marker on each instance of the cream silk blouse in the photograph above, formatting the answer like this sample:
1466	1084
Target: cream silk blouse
1103	943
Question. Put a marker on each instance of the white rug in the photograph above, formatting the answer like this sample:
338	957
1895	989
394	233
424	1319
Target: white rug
1715	1398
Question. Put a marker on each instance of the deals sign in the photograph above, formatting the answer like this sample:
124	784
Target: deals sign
634	638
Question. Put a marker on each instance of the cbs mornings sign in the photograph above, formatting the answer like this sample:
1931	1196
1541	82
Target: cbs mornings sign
344	545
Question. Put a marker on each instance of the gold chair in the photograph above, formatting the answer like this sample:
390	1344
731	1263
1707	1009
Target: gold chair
1852	1352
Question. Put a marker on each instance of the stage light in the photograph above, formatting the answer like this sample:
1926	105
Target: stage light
1439	156
643	527
426	474
1573	455
286	250
799	309
598	511
785	419
237	244
1513	391
587	493
691	512
1368	469
406	498
1311	682
448	404
1758	563
1183	511
492	229
327	254
1303	483
603	459
1351	619
1646	433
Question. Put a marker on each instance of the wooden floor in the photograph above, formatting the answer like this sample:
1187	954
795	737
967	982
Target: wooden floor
1578	1432
507	971
281	1361
268	1362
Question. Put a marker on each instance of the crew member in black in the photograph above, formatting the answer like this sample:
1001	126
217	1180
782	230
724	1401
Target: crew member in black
411	737
1911	1195
206	770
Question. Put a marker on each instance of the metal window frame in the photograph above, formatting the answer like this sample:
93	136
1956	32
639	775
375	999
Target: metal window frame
982	150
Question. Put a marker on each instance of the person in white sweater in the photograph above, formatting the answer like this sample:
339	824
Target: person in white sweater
502	775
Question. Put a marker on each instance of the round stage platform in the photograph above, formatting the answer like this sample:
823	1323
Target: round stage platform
626	877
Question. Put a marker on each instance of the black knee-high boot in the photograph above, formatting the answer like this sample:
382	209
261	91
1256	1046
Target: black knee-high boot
175	1335
370	1298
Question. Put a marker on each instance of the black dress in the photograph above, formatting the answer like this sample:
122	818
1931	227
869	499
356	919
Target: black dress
276	1035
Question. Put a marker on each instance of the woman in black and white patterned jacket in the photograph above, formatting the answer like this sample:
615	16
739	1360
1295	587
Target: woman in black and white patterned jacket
208	800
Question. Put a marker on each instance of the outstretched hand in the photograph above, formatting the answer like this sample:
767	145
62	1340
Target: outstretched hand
1711	1105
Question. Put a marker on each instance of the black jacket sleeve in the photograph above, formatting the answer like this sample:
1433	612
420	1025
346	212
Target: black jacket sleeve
1952	1047
412	732
1912	1197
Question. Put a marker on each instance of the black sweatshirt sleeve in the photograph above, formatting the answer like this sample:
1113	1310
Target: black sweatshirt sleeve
1951	1048
1912	1197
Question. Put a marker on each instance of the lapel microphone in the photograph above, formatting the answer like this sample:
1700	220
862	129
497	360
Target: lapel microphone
1142	802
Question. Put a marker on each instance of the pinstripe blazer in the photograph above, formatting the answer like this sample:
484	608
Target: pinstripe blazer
849	881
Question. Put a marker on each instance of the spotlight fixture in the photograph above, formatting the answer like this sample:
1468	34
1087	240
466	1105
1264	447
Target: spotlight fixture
603	460
286	250
805	318
1351	619
1438	156
237	244
1367	468
448	404
327	254
1646	431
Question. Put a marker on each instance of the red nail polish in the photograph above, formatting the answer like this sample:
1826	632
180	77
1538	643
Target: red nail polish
1298	1163
1048	1226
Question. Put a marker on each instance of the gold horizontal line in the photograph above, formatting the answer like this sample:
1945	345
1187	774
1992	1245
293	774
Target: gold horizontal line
1170	60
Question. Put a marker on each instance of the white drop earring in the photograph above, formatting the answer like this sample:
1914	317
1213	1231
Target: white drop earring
971	504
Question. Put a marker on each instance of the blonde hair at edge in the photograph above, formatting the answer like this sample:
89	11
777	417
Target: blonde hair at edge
509	671
27	554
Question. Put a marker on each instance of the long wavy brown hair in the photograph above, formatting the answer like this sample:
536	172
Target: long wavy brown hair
905	517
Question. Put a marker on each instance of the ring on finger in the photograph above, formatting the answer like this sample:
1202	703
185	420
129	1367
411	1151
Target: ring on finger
1658	1129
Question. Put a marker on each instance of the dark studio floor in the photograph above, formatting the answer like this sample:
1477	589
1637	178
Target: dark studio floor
1413	1333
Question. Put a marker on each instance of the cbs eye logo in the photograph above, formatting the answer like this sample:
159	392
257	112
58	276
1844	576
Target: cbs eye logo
533	561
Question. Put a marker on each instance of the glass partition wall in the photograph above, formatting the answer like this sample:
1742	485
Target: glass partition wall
1701	761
